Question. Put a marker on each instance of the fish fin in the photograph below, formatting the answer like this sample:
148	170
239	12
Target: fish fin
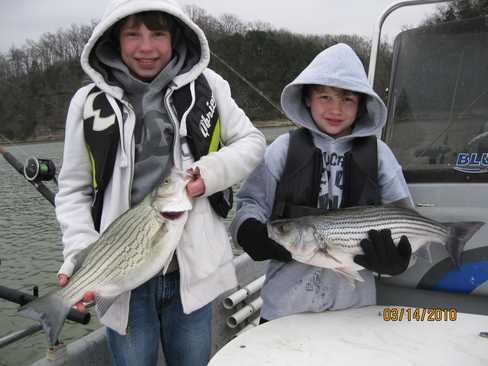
103	304
51	311
423	253
459	235
328	254
401	203
79	257
350	275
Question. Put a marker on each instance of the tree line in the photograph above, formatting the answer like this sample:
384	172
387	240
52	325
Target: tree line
457	10
38	79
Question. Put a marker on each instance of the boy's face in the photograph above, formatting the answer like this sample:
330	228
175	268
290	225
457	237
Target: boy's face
334	110
145	52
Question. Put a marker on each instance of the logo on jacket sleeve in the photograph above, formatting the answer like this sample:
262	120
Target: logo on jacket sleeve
206	120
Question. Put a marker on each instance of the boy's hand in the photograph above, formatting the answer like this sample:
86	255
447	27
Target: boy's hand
382	256
87	297
196	186
62	280
253	238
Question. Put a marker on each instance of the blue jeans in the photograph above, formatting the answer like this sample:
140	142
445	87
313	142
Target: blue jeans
156	316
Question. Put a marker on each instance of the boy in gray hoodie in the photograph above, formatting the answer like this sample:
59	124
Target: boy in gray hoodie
333	161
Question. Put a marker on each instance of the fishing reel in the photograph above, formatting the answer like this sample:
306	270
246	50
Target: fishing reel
36	170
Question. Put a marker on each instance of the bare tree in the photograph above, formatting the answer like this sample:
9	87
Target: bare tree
231	24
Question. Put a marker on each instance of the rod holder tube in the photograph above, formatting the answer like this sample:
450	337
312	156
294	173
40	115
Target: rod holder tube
13	337
240	295
253	323
244	313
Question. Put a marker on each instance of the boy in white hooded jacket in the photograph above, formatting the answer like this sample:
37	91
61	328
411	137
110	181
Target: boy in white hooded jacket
148	64
334	160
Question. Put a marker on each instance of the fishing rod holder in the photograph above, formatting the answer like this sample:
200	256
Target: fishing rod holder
36	169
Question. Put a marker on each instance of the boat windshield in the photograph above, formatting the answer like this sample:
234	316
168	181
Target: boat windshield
438	102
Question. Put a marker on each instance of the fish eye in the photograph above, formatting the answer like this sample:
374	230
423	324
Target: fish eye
283	228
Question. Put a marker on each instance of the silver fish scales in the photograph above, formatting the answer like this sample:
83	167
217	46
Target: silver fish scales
332	240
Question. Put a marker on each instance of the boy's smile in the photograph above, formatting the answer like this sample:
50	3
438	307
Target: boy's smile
145	52
333	110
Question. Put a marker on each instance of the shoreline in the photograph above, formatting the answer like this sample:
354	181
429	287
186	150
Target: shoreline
60	138
273	123
33	141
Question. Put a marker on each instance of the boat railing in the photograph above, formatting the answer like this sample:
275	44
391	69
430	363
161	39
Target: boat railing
375	45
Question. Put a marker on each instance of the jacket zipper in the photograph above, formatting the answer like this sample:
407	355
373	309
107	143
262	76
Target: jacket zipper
172	116
130	157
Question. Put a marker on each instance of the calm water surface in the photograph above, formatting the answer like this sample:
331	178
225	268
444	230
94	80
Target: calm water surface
31	251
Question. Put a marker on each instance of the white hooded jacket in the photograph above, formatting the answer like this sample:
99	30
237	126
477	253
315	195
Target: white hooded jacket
204	252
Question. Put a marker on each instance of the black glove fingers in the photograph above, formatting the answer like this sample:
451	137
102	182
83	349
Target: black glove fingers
389	250
368	248
404	247
252	236
374	236
362	260
279	252
377	239
370	257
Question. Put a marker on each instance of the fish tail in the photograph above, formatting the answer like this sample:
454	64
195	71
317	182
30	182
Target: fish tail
459	235
51	311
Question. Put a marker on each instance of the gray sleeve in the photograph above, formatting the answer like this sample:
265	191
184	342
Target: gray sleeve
394	188
255	198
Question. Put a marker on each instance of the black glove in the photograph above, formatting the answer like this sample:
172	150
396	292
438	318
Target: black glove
382	256
253	238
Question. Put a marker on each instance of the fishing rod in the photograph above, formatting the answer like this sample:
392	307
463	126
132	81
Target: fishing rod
248	83
35	171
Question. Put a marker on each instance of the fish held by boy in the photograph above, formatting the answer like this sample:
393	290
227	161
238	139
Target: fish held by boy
134	248
333	239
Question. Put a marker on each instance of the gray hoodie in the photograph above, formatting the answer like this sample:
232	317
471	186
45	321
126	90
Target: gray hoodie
296	287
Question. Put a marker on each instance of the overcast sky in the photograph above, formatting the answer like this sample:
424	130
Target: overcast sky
28	19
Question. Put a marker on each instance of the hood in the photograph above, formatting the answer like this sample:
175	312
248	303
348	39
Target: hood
197	44
337	66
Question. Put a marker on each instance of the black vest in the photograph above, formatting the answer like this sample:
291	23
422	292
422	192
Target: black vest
101	145
203	132
203	127
299	187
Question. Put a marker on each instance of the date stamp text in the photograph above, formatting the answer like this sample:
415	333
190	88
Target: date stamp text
398	314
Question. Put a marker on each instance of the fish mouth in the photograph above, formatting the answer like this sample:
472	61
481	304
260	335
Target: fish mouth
171	215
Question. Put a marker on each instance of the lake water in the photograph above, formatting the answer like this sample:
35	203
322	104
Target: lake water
31	251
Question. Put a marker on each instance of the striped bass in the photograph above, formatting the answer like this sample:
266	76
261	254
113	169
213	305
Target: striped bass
332	240
135	247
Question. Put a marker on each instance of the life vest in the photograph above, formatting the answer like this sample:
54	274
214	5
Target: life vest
299	187
203	131
102	137
203	137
